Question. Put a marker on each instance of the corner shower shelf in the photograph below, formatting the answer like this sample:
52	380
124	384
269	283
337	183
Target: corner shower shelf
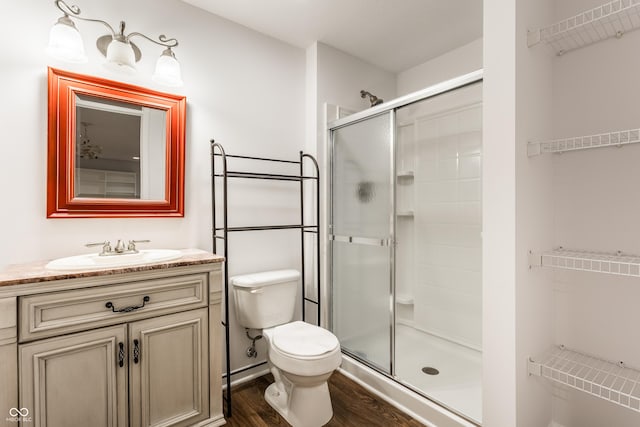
617	264
611	19
615	139
610	381
405	174
404	299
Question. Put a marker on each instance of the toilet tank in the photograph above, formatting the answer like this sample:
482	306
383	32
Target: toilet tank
266	299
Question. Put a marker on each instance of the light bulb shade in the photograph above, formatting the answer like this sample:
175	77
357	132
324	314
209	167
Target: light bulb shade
167	70
65	42
120	57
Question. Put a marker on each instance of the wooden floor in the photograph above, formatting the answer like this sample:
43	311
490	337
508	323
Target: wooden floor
353	406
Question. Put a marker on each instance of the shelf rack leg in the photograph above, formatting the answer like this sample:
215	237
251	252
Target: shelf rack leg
215	145
304	298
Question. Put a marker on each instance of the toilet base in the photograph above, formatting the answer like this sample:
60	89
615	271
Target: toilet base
302	406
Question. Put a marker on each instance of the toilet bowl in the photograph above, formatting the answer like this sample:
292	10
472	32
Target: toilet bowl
301	356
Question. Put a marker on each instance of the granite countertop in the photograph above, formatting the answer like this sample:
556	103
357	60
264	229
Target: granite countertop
34	272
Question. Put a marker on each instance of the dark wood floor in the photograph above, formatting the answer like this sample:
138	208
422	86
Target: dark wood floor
353	406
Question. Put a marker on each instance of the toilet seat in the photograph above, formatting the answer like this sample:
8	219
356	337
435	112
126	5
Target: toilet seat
302	340
317	358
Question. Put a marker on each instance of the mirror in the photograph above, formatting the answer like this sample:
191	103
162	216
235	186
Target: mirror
115	150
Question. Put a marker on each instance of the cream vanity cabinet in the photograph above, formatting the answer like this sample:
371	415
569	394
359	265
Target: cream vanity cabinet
133	349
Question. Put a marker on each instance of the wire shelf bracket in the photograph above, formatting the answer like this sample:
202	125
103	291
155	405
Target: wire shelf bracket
611	139
618	264
221	230
612	381
611	19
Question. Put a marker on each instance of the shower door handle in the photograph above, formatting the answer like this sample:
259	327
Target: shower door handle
370	241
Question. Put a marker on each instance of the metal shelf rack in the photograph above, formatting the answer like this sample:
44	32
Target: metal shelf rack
611	19
609	263
221	232
610	139
611	381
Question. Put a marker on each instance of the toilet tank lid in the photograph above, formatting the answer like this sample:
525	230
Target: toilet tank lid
264	278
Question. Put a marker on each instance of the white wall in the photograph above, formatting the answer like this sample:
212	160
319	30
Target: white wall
459	61
596	207
498	215
534	213
243	89
583	200
340	77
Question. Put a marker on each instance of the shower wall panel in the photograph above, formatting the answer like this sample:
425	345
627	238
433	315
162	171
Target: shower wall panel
448	220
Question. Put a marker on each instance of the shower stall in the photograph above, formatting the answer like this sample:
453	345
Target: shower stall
405	241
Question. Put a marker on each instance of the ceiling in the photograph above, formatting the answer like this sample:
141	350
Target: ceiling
393	34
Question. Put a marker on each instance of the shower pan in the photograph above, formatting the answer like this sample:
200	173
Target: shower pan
405	241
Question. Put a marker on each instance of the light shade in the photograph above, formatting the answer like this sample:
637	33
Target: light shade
65	42
120	57
168	70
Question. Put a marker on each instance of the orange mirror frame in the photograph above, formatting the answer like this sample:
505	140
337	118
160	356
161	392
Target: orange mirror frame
62	202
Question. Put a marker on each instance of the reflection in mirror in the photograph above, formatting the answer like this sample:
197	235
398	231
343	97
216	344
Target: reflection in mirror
120	149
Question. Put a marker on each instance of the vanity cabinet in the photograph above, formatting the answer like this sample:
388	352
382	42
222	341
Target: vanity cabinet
75	380
168	370
135	349
81	379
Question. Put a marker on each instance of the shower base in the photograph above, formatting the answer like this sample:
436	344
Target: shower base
457	386
459	382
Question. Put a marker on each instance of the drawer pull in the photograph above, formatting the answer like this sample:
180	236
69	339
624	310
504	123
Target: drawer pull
121	355
129	309
136	351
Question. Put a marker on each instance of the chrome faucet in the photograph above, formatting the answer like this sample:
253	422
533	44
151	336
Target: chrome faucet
119	249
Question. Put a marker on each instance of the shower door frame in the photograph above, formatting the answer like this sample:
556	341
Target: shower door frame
390	241
386	108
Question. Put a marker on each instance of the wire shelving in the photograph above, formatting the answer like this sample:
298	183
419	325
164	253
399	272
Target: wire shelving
610	139
611	381
599	262
611	19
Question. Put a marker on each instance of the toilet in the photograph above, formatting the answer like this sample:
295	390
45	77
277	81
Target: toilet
301	356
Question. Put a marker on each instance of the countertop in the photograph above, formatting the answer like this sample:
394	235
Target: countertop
35	272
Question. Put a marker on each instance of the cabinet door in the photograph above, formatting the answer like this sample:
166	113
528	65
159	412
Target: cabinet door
169	370
76	380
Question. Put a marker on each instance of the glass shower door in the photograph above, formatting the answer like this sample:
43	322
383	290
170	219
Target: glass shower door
361	226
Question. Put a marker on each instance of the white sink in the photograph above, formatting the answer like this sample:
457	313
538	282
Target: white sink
89	261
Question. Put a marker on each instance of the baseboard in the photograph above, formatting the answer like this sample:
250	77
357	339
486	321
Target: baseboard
211	422
247	376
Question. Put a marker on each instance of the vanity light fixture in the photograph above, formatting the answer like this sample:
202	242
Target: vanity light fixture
121	54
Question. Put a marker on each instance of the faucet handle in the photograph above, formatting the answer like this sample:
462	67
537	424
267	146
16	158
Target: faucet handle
132	244
106	246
